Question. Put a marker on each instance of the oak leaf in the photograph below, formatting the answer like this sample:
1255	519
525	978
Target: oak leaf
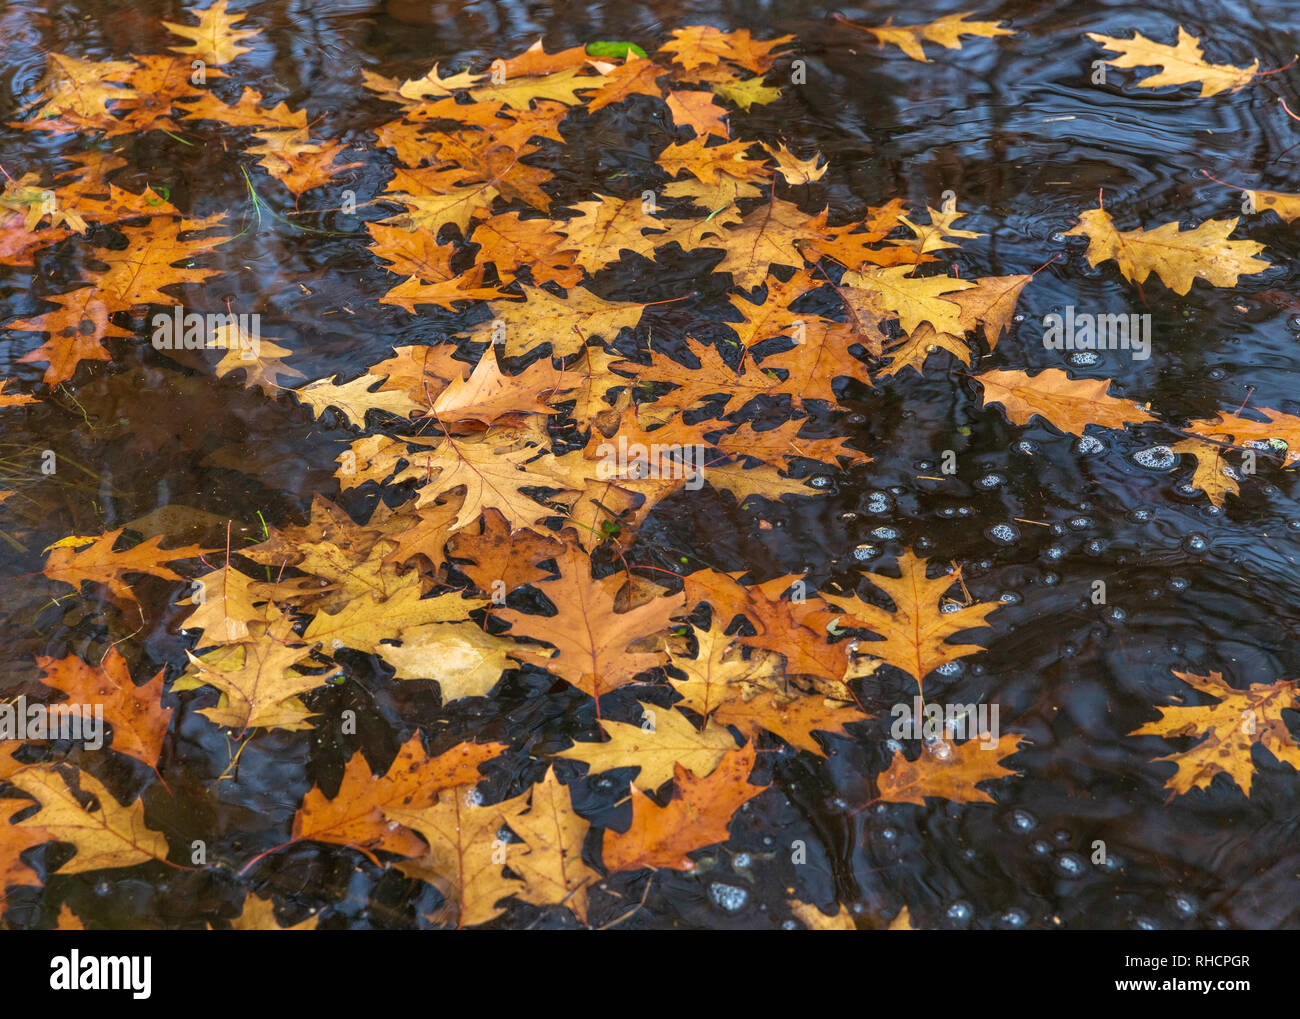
590	637
461	860
1226	731
1069	405
947	770
464	659
946	31
697	815
553	870
916	634
215	39
354	815
136	713
108	836
665	741
1177	256
1178	64
100	564
259	681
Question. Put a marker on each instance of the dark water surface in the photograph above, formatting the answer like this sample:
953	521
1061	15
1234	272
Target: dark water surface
1016	129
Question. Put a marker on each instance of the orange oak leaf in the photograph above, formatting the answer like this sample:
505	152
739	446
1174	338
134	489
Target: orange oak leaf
353	816
947	770
101	564
591	638
136	713
1069	405
697	815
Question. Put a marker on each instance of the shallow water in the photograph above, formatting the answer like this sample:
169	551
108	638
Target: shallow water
1016	129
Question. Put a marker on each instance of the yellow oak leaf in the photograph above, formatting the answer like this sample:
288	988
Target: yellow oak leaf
1226	731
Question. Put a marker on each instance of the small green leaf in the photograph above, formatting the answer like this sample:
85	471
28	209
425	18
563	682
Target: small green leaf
619	50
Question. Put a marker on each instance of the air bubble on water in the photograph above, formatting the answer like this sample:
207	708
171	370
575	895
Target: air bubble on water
821	481
102	888
990	481
889	834
863	553
1003	534
1184	905
1070	865
1117	614
1068	650
964	511
1216	374
960	912
1213	511
923	544
1021	820
1026	446
741	861
897	490
924	465
1095	546
1145	923
1010	598
1014	918
1177	583
1039	847
1186	488
728	897
1062	836
1051	579
939	749
848	517
1156	458
885	533
1089	445
949	669
1140	516
1084	358
879	502
1294	322
1018	317
1079	523
1057	238
893	746
856	419
1293	525
1196	542
1053	552
950	606
790	925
